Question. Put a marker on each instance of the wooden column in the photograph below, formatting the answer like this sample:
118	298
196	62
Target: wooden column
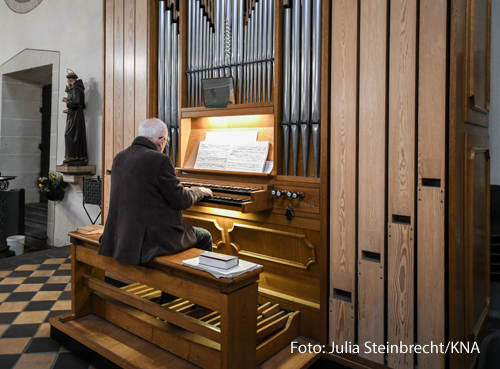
401	165
343	171
372	175
431	180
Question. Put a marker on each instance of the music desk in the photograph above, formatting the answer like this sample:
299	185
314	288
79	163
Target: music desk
133	332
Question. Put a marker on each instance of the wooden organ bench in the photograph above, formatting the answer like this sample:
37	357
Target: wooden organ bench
215	323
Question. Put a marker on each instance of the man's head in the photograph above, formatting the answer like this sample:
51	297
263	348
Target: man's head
155	131
71	77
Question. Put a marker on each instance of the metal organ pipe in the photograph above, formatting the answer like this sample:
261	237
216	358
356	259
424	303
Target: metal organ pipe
168	67
306	85
286	86
240	49
316	83
189	53
161	61
234	44
264	47
259	49
295	84
175	91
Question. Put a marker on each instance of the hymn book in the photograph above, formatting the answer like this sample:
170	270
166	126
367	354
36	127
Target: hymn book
218	260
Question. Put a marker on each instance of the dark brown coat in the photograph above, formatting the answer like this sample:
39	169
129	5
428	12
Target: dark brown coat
144	218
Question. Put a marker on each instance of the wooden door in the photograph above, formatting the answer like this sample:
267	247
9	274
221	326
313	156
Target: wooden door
469	176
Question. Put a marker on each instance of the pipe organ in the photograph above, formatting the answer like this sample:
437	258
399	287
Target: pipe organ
371	223
275	60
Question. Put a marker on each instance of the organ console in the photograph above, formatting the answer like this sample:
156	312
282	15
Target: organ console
244	199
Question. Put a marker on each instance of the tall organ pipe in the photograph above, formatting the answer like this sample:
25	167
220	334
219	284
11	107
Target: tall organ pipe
286	86
161	61
240	50
189	52
316	84
295	84
234	46
168	67
270	45
217	38
305	82
264	47
259	49
221	35
200	55
175	91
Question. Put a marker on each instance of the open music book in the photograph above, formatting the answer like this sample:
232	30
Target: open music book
238	157
241	268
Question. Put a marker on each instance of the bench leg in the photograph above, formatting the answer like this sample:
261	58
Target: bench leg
239	329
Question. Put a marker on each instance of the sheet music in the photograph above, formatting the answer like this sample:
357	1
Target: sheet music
212	156
248	157
240	157
232	136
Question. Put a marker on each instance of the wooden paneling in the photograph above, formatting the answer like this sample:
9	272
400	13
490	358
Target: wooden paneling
431	179
400	291
130	82
141	60
343	168
401	166
129	73
109	87
431	274
118	92
478	46
372	172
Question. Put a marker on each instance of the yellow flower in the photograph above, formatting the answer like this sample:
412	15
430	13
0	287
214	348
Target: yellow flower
40	185
53	176
40	178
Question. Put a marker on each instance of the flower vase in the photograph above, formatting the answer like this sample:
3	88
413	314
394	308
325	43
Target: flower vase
55	195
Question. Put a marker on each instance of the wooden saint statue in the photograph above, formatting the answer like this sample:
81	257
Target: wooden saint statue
75	135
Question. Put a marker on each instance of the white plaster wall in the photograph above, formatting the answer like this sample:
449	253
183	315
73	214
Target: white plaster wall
21	134
494	129
75	30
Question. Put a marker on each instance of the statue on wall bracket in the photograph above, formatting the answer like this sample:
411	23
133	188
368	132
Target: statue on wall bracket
75	133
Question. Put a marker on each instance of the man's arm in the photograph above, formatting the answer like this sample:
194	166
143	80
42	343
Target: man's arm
178	196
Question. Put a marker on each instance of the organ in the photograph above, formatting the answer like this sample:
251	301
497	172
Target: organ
374	131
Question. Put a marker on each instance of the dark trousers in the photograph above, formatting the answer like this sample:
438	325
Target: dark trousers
203	242
203	239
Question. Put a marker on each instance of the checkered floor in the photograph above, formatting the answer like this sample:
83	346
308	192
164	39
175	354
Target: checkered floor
33	288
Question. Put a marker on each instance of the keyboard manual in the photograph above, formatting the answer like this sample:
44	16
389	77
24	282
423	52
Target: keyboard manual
217	260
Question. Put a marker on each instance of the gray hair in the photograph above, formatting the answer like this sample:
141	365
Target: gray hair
151	128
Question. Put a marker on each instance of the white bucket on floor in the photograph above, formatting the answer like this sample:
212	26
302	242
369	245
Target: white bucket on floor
16	244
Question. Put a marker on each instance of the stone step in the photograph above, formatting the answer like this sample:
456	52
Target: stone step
36	223
39	208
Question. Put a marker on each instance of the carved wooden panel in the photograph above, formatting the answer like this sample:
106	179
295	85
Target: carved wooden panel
211	225
478	46
273	246
476	237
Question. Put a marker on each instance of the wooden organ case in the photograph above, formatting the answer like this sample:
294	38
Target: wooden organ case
292	251
385	242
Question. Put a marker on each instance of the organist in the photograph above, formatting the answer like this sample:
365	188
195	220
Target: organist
144	218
